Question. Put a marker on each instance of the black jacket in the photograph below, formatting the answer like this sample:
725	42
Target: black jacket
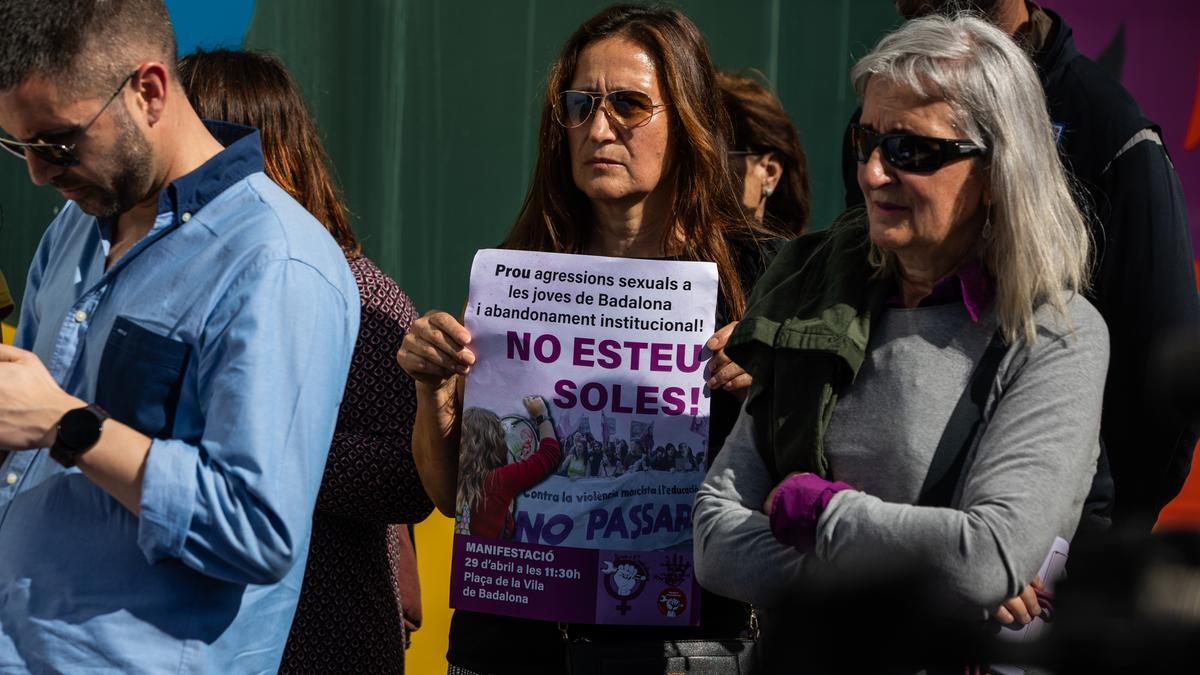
1143	282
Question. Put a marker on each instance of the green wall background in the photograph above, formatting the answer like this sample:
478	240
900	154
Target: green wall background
429	110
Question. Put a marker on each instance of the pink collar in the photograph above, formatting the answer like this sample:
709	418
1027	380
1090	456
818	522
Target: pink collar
968	284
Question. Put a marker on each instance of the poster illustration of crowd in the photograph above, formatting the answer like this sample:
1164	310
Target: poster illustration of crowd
584	435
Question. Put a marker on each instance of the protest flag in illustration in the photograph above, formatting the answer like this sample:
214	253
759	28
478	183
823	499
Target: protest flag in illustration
573	527
562	425
642	432
608	428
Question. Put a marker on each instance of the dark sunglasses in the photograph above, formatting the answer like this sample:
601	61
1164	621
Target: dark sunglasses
909	152
60	154
628	109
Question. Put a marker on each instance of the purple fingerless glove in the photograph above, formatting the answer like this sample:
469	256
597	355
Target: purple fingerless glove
798	505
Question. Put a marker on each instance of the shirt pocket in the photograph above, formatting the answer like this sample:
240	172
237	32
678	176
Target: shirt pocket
141	374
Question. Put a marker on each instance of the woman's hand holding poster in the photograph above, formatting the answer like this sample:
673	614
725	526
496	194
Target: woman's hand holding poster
584	437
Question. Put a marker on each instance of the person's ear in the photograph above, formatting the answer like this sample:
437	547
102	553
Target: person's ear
153	86
772	170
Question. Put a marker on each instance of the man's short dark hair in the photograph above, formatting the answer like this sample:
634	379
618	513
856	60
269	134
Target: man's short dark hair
88	45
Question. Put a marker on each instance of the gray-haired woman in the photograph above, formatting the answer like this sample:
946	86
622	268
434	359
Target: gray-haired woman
863	339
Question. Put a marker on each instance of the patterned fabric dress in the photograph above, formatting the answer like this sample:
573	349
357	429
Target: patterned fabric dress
349	616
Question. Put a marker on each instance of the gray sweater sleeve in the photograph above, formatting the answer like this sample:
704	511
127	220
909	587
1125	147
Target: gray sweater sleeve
735	553
1027	480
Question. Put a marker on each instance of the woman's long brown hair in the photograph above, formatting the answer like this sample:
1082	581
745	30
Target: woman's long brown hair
557	216
256	90
760	124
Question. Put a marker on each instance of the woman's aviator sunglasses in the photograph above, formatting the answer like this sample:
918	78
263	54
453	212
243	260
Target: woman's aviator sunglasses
909	152
60	154
628	109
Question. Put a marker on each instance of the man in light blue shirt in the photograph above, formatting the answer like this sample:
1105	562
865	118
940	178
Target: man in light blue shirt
181	354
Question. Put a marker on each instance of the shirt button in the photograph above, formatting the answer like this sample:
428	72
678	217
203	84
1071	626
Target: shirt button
186	216
11	479
80	316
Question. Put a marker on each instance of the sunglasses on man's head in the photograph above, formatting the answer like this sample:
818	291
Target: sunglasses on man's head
628	109
60	154
909	152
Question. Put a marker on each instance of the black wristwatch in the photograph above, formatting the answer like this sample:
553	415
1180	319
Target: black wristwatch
78	431
537	421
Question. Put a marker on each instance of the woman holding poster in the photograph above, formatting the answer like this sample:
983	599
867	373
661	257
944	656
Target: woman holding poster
631	163
955	428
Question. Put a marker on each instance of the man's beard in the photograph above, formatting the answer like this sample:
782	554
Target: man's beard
131	174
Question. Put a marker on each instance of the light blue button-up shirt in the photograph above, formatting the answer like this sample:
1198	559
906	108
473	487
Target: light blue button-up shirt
225	334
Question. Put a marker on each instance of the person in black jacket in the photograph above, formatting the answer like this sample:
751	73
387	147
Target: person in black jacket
1143	282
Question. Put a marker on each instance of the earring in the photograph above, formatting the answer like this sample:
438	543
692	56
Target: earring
766	191
987	226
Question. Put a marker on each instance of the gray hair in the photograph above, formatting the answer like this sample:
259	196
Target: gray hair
1040	243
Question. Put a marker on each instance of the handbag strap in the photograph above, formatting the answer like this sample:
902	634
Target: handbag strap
946	468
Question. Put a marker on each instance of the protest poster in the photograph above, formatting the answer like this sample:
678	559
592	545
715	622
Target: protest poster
583	438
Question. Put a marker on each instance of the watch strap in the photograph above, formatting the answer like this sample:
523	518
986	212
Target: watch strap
63	451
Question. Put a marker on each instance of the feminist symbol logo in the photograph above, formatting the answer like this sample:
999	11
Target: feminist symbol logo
624	579
672	602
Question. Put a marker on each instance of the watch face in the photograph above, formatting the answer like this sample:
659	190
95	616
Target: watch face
80	429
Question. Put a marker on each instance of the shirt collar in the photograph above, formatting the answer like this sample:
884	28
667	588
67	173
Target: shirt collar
241	157
969	284
1037	32
974	287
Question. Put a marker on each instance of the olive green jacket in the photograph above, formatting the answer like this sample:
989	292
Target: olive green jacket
803	339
